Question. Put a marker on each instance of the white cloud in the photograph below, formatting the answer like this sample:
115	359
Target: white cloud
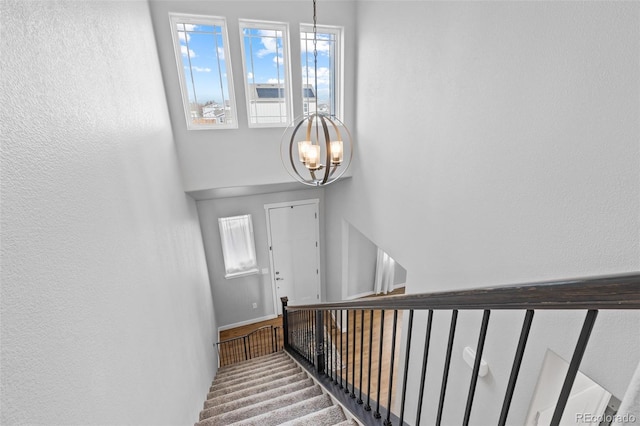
324	76
250	76
270	42
201	69
183	50
275	81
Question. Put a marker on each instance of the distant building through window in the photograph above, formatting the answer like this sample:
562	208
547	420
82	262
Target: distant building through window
265	54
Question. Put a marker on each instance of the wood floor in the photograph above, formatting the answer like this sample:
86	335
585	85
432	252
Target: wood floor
343	339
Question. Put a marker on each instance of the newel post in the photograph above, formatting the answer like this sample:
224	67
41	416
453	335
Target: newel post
319	342
285	321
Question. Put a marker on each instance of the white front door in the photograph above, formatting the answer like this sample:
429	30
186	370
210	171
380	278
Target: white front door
295	252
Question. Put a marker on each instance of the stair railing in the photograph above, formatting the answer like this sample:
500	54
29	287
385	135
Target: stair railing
262	341
324	337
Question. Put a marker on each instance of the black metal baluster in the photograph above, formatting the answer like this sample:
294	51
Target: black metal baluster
335	347
346	373
319	343
330	345
445	374
517	362
376	414
367	406
285	322
341	349
476	366
406	367
578	353
329	342
425	356
359	400
387	422
353	359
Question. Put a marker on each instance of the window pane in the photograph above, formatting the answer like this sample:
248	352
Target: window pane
326	97
238	246
266	73
205	73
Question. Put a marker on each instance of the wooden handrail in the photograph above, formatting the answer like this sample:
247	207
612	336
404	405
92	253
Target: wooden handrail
621	291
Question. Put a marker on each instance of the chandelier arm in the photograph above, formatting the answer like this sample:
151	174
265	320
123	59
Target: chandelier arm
309	125
291	142
335	127
327	143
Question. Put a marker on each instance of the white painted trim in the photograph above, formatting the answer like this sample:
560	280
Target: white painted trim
242	323
291	203
359	296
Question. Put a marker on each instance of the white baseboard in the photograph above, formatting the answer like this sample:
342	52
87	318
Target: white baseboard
358	296
240	324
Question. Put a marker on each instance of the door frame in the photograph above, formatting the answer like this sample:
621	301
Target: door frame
267	208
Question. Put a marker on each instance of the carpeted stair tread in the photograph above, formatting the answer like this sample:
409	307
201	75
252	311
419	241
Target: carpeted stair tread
327	416
262	360
255	381
273	392
347	423
251	374
251	369
212	402
290	412
260	408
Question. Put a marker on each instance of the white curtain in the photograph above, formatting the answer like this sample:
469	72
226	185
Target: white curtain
238	246
385	273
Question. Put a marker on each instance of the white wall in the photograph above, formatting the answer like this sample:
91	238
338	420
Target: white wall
498	143
234	298
243	156
107	314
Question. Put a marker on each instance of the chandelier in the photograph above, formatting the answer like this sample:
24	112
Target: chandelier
316	149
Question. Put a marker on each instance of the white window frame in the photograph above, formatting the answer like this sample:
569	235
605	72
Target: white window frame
339	61
238	243
176	18
286	54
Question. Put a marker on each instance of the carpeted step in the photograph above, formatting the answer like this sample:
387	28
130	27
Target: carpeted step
283	402
327	416
251	374
255	381
273	392
290	412
251	362
254	390
347	423
240	371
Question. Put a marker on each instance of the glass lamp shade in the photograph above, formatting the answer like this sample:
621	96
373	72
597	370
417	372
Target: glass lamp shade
316	149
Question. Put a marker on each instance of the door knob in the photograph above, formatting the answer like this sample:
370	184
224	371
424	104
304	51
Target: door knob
279	279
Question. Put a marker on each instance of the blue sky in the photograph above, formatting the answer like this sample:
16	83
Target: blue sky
202	49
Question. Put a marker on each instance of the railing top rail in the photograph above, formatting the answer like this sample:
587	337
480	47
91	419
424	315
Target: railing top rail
620	291
248	334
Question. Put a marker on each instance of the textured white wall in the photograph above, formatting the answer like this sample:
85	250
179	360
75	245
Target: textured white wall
498	143
107	313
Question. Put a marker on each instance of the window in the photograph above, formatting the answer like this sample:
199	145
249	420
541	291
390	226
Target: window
238	246
265	55
202	49
327	97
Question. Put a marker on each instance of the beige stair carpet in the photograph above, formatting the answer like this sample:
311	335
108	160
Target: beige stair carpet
268	391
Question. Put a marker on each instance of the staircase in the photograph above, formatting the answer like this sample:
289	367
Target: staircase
265	391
